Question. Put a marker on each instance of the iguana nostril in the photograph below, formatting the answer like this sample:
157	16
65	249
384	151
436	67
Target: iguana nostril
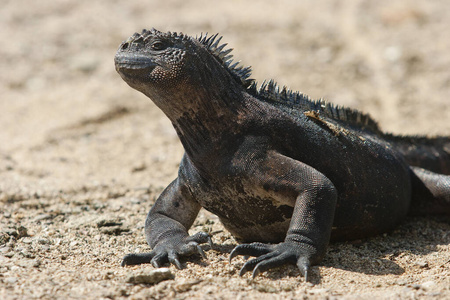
124	46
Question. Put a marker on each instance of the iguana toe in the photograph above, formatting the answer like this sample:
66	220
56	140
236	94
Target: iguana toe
173	259
253	249
136	259
201	252
304	267
272	256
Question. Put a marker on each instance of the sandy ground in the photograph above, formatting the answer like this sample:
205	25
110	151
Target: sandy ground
83	156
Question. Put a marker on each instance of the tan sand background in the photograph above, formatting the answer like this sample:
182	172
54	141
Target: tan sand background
83	156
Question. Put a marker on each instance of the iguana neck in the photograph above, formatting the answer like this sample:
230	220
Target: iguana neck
205	111
203	130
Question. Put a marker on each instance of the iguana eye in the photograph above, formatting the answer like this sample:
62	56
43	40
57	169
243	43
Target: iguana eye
158	45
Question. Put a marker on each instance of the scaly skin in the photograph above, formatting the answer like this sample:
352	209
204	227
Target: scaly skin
284	173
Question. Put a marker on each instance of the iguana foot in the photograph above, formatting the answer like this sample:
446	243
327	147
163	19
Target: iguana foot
169	250
272	256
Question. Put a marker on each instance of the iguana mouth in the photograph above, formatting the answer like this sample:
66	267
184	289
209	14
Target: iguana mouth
127	62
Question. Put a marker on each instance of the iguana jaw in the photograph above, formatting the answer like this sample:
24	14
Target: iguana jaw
132	65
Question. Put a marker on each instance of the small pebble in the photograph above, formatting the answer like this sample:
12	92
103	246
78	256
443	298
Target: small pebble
185	285
42	217
10	280
318	291
27	240
428	285
150	277
109	222
5	249
422	264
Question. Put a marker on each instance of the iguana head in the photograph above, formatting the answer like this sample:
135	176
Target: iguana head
152	58
185	75
174	69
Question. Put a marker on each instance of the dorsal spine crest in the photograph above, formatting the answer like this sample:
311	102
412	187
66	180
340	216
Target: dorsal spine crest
270	91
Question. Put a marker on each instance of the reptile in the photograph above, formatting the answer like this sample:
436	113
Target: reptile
284	173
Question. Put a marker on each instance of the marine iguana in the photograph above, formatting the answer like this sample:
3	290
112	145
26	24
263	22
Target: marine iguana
284	173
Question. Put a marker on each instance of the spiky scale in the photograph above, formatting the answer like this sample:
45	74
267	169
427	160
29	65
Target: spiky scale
220	48
271	90
225	56
233	66
214	46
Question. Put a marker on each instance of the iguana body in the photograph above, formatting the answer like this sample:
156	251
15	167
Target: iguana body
275	166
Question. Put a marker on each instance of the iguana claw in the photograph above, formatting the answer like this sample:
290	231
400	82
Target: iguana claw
170	250
272	256
201	252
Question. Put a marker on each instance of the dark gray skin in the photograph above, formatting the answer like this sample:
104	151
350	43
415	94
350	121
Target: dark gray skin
282	172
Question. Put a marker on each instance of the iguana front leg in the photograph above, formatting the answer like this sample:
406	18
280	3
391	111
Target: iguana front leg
314	198
166	228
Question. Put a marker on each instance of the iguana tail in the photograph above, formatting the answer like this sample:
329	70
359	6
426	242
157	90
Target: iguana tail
430	193
429	160
432	154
